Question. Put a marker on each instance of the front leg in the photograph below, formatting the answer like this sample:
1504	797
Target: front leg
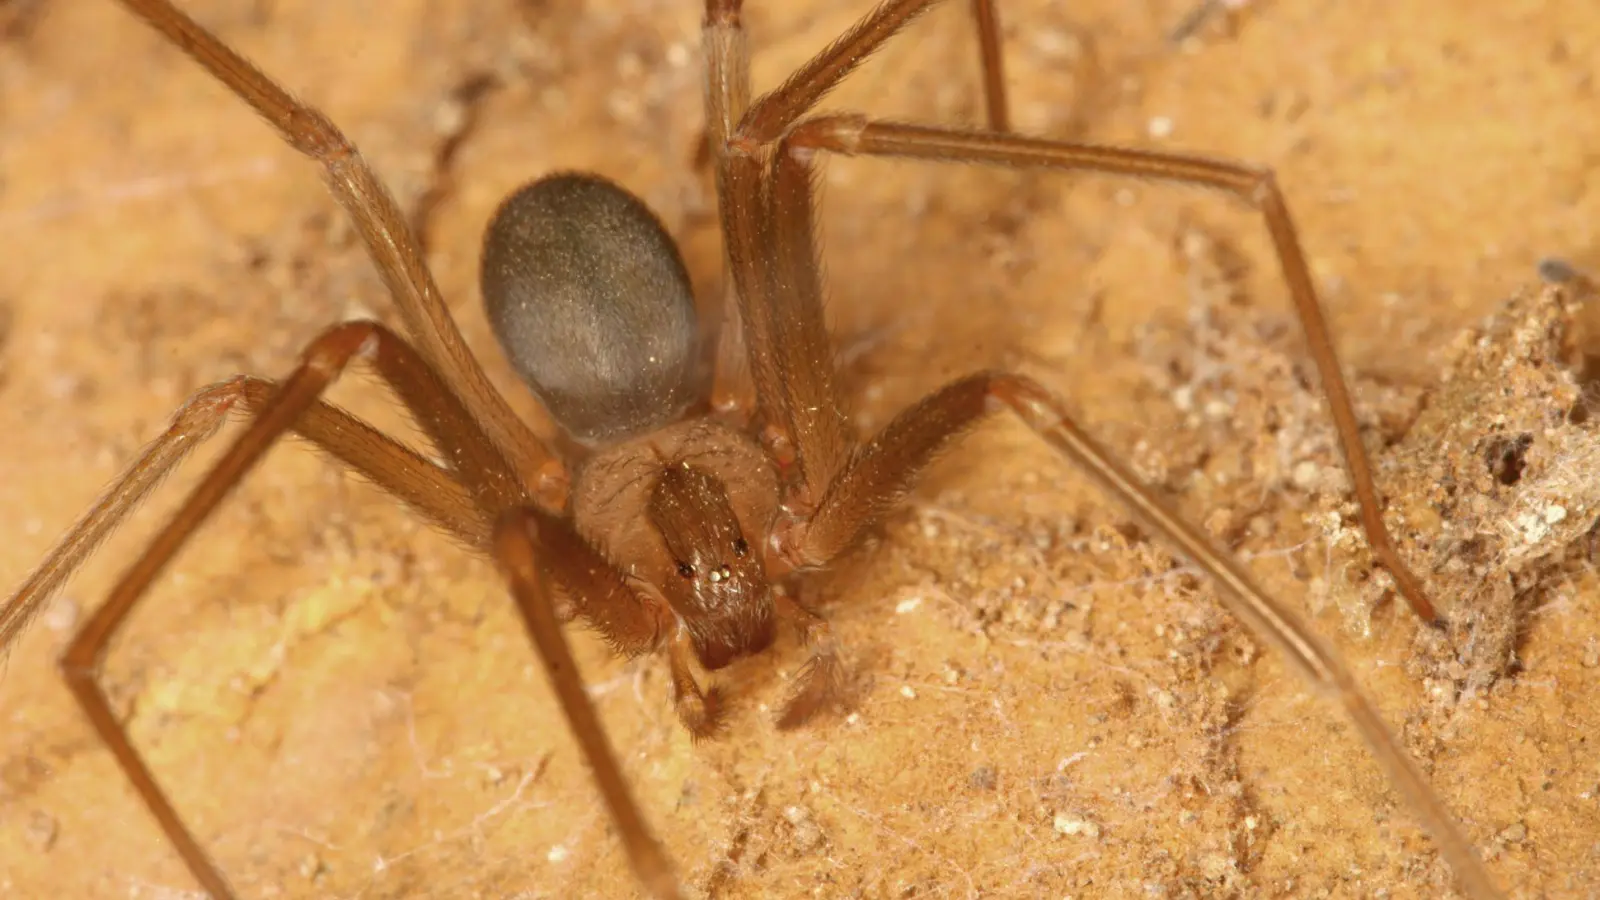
823	681
699	709
877	477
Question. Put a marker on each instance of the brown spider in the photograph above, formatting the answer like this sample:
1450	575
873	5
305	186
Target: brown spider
695	474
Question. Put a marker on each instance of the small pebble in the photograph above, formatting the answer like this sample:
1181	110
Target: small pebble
983	778
807	835
1305	474
42	831
1069	825
1215	866
1515	833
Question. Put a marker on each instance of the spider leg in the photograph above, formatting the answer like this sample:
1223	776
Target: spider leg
870	481
878	476
741	380
482	478
986	15
727	54
766	196
772	121
485	475
821	682
700	710
1256	186
728	75
524	538
769	230
378	219
774	112
427	489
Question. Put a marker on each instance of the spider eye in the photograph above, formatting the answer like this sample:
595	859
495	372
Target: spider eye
685	569
740	548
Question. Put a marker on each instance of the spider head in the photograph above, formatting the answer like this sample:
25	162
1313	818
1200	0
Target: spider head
719	590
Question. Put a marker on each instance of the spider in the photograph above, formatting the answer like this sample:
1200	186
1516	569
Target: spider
701	467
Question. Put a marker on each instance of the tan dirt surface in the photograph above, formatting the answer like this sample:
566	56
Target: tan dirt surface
344	705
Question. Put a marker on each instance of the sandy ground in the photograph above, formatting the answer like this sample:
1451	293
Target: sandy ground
344	705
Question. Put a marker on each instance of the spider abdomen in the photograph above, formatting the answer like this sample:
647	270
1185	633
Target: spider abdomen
589	297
